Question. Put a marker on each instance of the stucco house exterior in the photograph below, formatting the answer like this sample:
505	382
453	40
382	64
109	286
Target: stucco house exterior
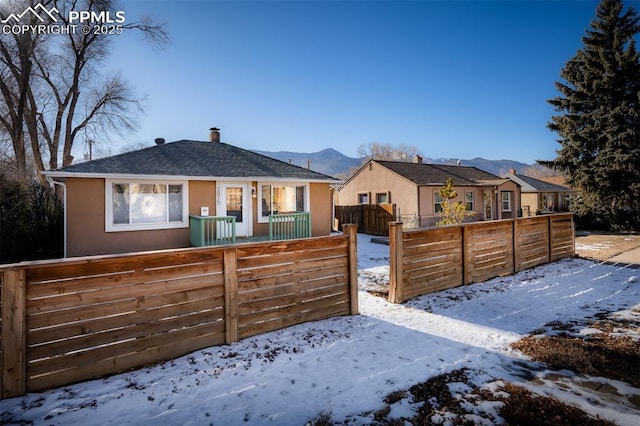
541	197
143	200
414	189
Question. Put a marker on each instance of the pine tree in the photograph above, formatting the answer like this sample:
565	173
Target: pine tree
599	120
451	213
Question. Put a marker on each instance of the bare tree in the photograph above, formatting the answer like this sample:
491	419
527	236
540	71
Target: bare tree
53	88
388	152
16	73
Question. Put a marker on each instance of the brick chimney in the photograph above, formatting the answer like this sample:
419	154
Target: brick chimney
214	135
417	159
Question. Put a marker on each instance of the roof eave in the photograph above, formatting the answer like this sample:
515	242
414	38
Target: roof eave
61	174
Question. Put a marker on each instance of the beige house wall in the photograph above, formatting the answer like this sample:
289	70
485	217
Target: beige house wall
375	179
427	202
321	207
202	194
529	203
86	233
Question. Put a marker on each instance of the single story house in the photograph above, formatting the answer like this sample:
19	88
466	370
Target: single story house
540	197
145	199
414	188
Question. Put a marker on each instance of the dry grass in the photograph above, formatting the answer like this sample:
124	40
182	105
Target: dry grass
607	356
602	246
521	407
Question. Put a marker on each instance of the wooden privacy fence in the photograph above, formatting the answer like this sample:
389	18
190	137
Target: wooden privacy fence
429	260
371	219
77	319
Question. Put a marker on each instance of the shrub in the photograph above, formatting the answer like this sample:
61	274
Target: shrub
31	221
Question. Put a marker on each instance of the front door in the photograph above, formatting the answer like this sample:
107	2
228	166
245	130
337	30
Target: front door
488	206
234	200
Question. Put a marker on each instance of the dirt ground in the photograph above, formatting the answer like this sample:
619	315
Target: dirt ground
602	246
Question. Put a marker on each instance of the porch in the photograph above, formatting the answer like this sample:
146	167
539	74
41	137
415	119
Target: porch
217	230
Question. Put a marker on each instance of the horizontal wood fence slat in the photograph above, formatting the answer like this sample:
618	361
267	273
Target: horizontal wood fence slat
428	260
75	319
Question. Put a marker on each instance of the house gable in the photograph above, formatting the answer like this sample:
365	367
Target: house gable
373	179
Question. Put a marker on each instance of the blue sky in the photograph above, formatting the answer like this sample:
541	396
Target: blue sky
459	79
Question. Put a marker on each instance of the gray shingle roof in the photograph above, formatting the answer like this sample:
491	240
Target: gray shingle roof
437	174
195	159
530	184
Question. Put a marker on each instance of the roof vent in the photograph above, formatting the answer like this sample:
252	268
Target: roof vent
214	134
159	141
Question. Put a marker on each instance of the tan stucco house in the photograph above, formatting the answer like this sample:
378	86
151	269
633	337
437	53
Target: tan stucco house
143	200
541	197
414	189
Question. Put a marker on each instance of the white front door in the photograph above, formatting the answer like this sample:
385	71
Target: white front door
234	200
488	206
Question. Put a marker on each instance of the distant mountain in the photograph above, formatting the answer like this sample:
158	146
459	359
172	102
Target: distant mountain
331	162
328	161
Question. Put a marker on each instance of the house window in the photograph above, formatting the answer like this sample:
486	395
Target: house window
506	201
382	198
144	205
437	207
547	202
287	198
469	204
363	198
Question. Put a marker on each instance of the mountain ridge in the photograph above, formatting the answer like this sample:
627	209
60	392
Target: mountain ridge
332	162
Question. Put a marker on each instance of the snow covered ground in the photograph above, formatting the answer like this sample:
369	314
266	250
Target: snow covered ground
347	365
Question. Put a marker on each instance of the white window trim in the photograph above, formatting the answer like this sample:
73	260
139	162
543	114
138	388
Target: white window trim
307	196
109	226
502	200
473	201
436	203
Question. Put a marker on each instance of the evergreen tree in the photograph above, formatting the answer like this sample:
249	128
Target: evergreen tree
599	120
452	213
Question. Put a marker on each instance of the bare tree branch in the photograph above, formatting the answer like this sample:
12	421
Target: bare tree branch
53	91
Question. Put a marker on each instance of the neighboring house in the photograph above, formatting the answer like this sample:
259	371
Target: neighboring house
414	189
539	196
142	200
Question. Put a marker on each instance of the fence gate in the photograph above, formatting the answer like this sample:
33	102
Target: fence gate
371	219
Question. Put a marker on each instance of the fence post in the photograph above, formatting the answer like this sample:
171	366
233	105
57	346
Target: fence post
396	254
515	243
232	332
351	230
467	264
14	333
550	234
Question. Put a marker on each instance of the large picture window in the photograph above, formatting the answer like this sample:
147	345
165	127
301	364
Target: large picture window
282	198
145	205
